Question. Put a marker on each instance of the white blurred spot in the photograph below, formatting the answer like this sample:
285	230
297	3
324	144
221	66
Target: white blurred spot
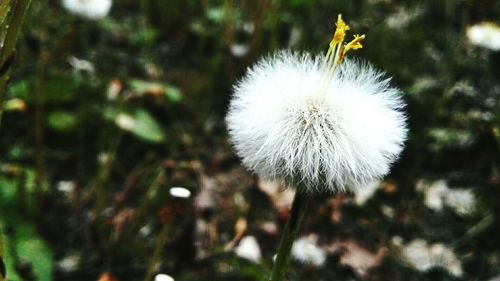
249	249
66	186
103	158
402	18
362	194
496	278
307	251
125	121
81	65
423	257
146	230
461	200
438	195
69	263
91	9
269	227
163	277
239	50
249	27
397	240
486	35
388	211
295	37
180	192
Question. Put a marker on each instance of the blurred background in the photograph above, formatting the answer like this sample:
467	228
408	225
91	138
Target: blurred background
115	162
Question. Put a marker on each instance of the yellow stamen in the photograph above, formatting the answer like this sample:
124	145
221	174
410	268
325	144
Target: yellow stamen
337	49
355	43
339	35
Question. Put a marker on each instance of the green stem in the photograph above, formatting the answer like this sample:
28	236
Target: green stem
14	23
288	237
156	257
2	264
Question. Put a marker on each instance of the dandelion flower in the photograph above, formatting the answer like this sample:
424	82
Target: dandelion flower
322	123
91	9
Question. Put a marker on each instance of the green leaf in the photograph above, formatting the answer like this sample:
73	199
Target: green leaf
57	89
31	248
20	89
62	121
217	14
171	92
23	243
138	122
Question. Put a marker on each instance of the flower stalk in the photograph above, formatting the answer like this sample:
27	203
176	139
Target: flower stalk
288	237
333	58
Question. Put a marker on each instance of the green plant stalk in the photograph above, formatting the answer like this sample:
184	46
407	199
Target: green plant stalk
2	264
156	257
6	52
14	23
288	237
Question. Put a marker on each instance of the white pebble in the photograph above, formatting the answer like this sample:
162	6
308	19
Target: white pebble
180	192
163	277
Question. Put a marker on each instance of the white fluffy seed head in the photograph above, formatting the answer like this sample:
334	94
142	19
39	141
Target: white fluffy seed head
91	9
293	120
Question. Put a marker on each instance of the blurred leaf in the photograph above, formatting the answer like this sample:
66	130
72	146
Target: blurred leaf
138	122
20	89
172	93
18	152
300	3
7	194
58	88
4	10
62	120
217	14
135	30
15	105
448	137
23	243
144	36
30	247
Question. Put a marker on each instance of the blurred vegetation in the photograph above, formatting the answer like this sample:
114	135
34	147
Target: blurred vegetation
102	117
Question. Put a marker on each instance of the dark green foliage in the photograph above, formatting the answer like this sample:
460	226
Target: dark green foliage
103	117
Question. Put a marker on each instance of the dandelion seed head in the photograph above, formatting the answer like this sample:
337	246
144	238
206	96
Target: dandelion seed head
321	123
